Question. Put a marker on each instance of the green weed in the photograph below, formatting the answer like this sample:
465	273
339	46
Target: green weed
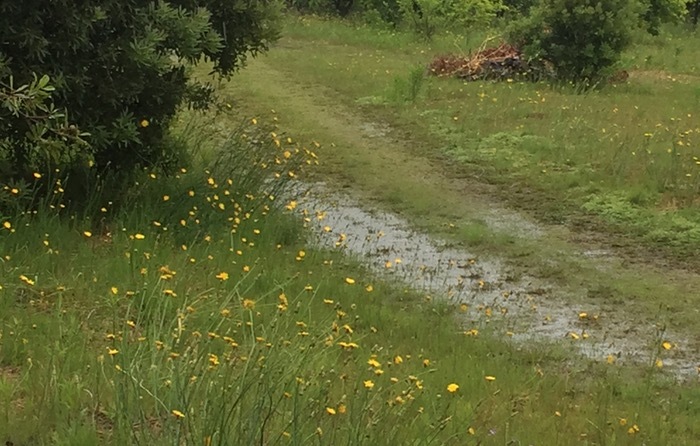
407	89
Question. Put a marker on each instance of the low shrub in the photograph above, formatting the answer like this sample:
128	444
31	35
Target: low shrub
582	40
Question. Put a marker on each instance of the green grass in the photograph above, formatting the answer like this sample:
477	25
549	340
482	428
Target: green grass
191	320
468	145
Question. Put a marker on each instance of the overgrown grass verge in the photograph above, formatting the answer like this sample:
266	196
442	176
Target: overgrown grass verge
200	315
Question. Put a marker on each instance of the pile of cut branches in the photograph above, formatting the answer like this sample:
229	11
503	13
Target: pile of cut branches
502	62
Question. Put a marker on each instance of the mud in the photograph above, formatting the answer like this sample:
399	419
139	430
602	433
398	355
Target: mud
487	291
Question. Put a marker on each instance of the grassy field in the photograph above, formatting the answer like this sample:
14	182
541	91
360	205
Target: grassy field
202	315
346	87
626	155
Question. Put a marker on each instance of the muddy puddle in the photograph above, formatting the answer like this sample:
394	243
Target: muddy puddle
487	292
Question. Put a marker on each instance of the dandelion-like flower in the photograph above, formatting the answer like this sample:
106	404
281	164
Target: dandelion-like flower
26	280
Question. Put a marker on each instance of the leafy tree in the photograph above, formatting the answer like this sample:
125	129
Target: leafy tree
120	67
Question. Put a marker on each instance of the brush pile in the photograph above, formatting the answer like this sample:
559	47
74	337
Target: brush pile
502	62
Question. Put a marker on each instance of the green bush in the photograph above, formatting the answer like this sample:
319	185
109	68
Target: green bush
120	68
581	39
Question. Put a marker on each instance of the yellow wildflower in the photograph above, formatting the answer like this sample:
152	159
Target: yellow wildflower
26	280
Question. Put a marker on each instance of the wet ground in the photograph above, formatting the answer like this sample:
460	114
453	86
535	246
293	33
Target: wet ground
487	291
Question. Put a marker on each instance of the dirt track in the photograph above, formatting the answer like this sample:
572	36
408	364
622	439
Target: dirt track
534	279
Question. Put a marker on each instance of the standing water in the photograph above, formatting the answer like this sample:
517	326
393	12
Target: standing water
528	309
